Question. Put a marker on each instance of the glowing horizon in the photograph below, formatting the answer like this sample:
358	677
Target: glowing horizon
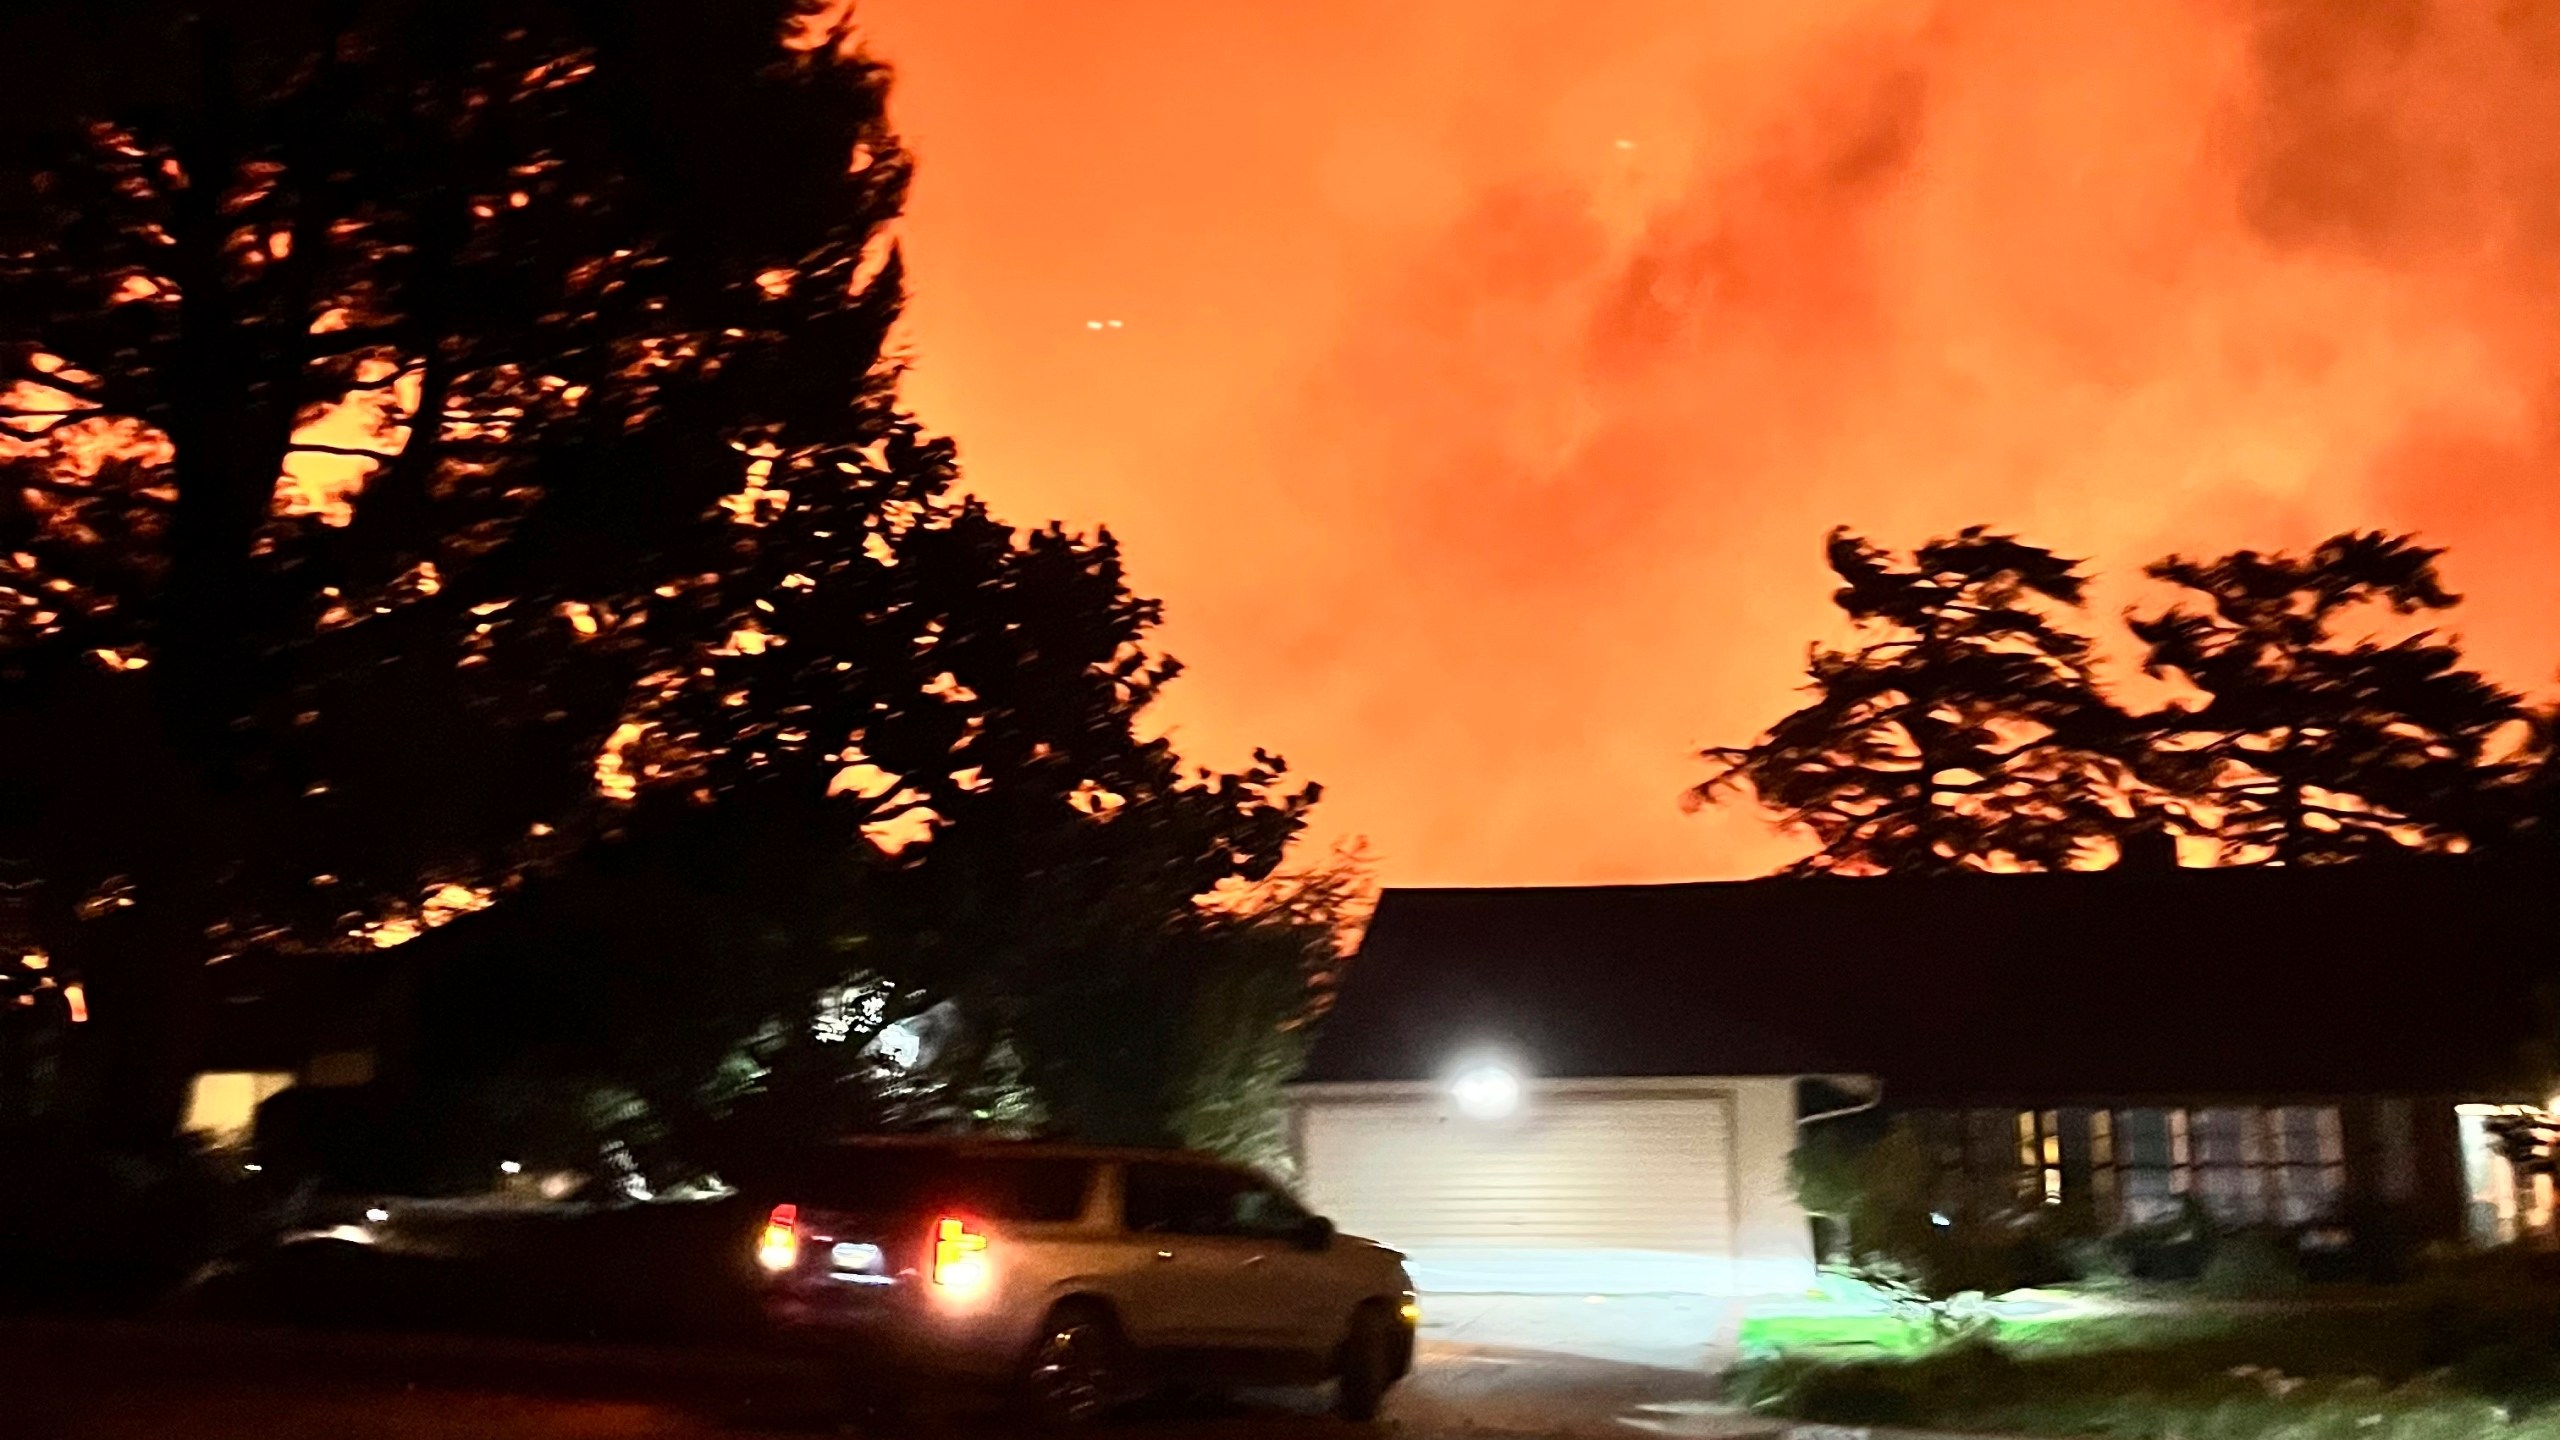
1476	381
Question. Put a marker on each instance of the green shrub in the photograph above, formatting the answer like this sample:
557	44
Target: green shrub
2251	1265
2172	1249
1964	1372
2093	1261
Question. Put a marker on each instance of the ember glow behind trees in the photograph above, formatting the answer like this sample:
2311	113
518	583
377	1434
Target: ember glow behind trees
438	438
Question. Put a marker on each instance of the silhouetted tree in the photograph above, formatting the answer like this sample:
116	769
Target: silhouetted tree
373	372
2309	747
1965	731
2527	809
1280	949
441	439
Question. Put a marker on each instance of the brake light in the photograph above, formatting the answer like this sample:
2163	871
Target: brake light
959	1255
778	1248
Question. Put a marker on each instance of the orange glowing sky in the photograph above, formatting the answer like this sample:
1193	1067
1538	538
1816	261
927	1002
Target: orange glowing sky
1489	370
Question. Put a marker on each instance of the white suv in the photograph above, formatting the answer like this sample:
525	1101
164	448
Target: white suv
1084	1276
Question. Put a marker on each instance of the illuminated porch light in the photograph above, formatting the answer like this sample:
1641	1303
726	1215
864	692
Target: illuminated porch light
1486	1092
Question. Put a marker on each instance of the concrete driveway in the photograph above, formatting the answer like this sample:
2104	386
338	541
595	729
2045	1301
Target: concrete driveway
1666	1332
1572	1367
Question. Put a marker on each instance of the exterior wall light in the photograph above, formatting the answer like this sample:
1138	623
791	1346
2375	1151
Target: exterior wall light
1486	1092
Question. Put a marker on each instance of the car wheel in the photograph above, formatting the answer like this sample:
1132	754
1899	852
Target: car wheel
323	1283
1366	1366
1078	1368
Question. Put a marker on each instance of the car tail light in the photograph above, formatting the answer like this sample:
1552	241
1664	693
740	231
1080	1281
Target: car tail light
778	1248
959	1255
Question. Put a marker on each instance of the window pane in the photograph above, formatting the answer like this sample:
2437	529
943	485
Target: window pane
2307	1193
1182	1199
1262	1211
2142	1138
2219	1137
2230	1194
2305	1135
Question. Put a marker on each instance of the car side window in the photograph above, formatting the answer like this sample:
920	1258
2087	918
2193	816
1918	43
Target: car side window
1266	1213
1178	1200
1203	1200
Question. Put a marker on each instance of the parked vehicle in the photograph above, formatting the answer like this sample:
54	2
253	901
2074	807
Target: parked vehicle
1081	1276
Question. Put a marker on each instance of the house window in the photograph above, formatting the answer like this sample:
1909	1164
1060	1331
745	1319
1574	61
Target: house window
2040	1157
2245	1165
2102	1161
2228	1145
2152	1164
2307	1169
1989	1161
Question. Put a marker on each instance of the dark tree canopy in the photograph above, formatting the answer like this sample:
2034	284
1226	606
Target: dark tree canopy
2310	746
1965	731
1973	731
440	439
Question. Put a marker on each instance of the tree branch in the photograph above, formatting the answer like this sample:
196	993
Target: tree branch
352	452
387	381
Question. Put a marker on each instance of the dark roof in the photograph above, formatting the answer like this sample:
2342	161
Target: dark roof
2406	977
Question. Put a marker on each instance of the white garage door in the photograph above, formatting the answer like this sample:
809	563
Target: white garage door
1574	1193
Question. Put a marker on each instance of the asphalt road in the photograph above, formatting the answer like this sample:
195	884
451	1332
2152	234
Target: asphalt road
141	1381
320	1412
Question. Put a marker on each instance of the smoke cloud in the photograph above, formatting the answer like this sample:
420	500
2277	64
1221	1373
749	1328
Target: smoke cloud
1487	372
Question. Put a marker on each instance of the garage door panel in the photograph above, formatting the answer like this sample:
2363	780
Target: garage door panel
1646	1174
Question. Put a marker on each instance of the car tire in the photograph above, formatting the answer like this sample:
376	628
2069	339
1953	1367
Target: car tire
325	1283
1366	1365
1077	1370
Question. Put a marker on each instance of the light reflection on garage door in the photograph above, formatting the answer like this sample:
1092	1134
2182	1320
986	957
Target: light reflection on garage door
1599	1194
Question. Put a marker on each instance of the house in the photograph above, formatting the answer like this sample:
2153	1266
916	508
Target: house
1597	1089
309	1020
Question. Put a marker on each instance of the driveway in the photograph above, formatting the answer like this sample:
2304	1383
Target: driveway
1572	1366
1695	1333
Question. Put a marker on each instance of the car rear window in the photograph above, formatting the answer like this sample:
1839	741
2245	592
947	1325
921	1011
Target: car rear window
997	1187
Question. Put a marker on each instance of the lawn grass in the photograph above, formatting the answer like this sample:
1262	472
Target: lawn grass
1852	1335
2240	1408
2439	1362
